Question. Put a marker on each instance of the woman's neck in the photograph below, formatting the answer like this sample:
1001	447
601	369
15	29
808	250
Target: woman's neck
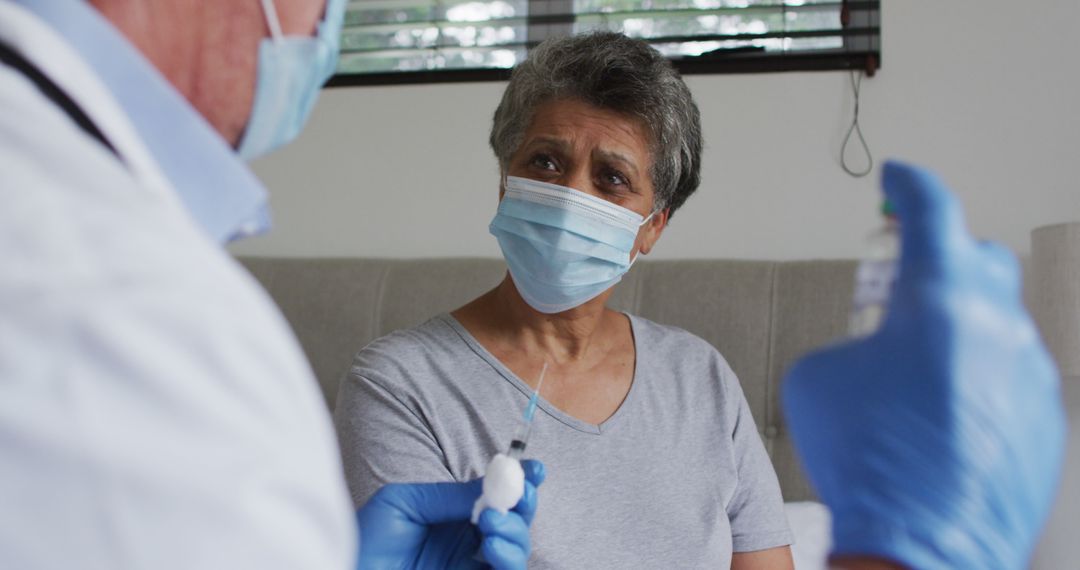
562	338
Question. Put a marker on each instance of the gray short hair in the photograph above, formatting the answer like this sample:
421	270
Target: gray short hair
611	71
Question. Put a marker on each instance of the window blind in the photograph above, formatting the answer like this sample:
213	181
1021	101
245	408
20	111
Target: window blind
446	40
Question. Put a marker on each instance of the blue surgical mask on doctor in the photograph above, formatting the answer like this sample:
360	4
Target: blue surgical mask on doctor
291	71
563	247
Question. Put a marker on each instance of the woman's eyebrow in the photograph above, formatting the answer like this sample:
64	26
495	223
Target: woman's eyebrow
615	156
561	145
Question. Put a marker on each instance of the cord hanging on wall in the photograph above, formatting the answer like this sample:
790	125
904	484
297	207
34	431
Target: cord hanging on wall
856	77
855	129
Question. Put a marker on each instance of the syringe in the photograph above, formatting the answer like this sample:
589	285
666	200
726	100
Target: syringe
504	479
517	446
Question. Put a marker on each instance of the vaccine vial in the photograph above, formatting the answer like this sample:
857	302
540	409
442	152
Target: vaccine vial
875	275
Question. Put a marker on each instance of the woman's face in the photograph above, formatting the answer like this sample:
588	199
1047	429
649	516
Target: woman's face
597	151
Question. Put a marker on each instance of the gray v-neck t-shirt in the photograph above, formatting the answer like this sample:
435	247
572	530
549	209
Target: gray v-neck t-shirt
677	477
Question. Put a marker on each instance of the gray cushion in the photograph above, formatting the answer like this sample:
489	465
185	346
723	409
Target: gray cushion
810	308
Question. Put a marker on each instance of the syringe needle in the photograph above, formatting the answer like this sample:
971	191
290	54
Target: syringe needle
517	446
536	394
540	382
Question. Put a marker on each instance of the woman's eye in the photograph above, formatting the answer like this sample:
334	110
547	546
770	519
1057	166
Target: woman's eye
544	162
614	178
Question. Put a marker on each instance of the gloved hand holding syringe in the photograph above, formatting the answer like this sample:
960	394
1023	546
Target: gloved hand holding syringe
504	480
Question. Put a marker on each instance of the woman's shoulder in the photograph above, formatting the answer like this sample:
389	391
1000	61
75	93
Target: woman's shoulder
670	338
411	352
671	346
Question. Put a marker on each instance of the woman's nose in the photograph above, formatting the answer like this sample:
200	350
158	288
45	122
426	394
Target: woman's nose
578	180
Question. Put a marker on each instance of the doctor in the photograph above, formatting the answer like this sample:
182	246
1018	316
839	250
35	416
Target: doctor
155	410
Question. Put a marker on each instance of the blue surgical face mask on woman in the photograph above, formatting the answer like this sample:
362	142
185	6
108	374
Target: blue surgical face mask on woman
290	72
563	247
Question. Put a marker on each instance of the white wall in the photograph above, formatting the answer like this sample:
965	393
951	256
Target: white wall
982	91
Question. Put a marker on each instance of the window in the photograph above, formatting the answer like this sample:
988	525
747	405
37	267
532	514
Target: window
411	41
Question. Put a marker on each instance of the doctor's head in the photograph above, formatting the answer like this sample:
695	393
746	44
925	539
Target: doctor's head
252	68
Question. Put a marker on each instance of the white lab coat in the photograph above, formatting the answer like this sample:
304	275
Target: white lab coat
155	410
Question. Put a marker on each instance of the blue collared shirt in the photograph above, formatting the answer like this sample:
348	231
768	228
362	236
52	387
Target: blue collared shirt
215	185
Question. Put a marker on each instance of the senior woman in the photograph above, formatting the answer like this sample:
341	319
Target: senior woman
654	460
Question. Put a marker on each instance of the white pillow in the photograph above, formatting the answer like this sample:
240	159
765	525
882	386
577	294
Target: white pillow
811	524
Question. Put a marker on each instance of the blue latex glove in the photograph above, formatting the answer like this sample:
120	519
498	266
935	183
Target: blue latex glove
936	442
426	525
